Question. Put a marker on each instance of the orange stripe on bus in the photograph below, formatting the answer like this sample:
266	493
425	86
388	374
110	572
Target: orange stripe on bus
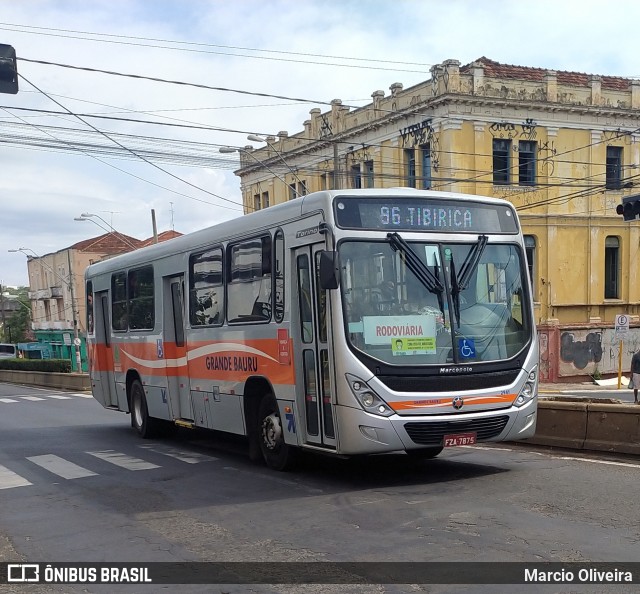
439	402
206	360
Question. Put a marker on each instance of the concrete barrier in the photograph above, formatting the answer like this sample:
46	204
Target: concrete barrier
613	428
561	424
606	426
76	382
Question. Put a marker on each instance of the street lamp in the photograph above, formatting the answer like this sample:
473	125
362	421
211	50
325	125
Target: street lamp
85	216
69	283
233	149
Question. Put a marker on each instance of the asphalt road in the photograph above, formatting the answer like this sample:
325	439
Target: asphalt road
76	484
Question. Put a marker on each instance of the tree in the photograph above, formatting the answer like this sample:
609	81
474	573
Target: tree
19	324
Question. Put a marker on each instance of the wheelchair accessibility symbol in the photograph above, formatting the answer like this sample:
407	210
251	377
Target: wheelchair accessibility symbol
466	348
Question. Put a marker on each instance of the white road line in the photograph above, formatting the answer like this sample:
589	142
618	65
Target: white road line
83	395
60	466
58	397
8	400
9	479
31	398
555	456
124	461
182	455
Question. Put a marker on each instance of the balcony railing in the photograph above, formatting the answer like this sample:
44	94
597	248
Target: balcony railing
42	294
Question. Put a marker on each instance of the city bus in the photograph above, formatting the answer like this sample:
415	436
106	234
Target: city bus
344	322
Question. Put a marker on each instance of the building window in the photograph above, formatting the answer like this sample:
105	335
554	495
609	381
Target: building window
368	168
530	251
356	176
527	163
265	199
614	168
501	161
612	268
425	153
326	181
410	167
256	202
292	191
302	188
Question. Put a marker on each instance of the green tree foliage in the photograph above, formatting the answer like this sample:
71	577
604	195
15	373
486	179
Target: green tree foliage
18	325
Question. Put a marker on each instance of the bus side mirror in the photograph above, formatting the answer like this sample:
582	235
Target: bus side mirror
329	271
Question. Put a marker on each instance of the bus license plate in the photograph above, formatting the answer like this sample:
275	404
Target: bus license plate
459	439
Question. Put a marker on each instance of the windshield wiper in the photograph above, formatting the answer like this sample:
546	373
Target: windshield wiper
467	269
470	264
415	264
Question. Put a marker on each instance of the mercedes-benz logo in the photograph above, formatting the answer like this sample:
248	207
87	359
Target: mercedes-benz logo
457	402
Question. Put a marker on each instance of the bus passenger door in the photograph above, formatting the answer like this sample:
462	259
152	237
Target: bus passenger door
313	380
102	371
175	349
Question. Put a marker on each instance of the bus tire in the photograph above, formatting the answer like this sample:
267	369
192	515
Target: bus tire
425	453
145	425
276	453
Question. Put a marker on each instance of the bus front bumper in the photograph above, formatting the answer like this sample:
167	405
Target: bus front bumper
363	433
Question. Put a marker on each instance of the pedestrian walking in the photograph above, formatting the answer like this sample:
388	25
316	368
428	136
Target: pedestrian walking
635	375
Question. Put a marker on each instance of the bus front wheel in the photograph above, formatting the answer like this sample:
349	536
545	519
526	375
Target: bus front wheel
276	453
140	419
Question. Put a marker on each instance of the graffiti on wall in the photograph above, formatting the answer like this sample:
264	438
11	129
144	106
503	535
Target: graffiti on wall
581	352
587	351
545	364
422	134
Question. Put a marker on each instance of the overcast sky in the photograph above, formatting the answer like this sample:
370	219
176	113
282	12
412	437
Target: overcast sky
298	49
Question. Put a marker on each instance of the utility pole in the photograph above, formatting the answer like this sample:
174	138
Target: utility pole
76	334
2	312
337	178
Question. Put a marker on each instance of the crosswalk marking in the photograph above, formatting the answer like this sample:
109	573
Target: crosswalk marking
9	479
60	466
44	396
122	460
182	455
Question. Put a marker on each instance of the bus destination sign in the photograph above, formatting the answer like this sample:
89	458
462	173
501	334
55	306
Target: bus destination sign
401	214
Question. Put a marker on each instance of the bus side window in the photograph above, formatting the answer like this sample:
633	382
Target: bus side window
206	288
278	276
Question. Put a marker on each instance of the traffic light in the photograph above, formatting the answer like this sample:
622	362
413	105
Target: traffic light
8	70
630	207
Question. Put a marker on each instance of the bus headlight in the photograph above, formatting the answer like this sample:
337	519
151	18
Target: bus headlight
529	390
367	398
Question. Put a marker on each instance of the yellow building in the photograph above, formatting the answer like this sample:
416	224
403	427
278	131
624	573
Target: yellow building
563	147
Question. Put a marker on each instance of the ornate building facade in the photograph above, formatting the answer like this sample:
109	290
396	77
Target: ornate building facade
563	147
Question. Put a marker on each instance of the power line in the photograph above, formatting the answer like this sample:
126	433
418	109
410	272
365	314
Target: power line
177	82
140	157
197	48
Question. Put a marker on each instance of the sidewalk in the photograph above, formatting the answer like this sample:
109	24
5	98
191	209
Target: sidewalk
608	385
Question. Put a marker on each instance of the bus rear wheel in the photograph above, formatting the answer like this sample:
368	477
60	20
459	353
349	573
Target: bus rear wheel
276	453
145	425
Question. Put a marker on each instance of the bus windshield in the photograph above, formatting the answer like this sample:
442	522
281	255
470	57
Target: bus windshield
425	303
